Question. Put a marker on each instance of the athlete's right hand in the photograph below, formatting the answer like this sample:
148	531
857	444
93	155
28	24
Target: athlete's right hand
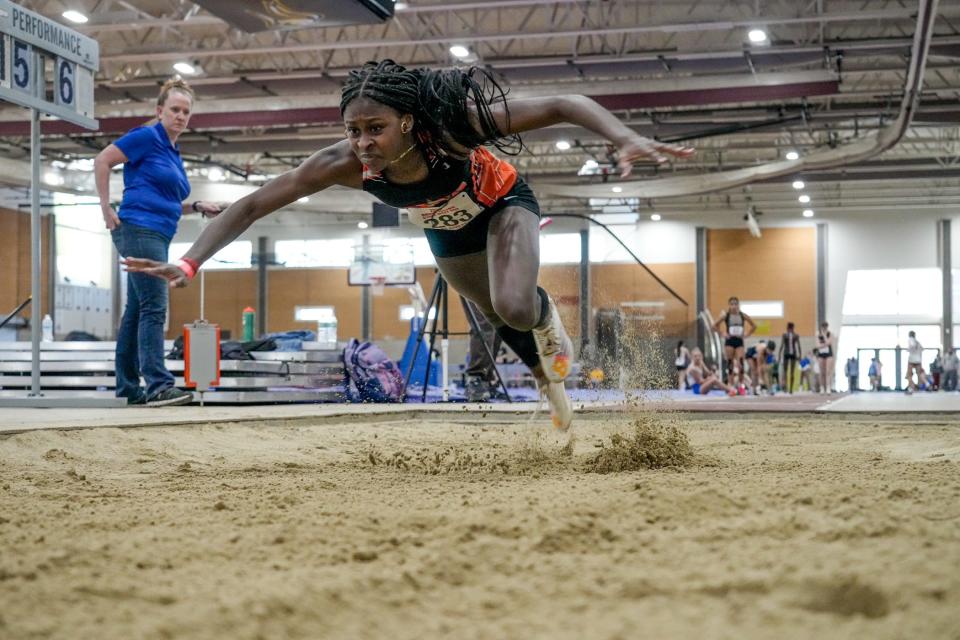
110	218
169	272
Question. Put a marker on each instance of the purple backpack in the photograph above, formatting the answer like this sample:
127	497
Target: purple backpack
370	375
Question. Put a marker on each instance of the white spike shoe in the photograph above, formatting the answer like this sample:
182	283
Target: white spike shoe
554	347
561	411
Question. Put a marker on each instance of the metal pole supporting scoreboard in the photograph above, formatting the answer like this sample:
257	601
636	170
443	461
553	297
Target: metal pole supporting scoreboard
47	68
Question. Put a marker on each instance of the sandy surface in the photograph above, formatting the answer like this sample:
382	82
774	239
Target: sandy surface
783	527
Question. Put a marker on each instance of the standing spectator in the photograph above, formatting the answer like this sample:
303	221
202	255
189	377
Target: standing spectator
825	357
155	185
681	361
879	375
789	352
874	374
951	362
853	374
915	363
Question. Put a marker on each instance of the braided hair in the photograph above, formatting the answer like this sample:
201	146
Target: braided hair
441	102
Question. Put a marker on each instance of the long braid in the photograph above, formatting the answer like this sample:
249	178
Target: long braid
441	102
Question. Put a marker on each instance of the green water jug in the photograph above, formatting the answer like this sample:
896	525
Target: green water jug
249	319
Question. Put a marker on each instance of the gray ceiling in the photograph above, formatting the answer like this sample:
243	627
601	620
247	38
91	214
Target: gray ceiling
833	72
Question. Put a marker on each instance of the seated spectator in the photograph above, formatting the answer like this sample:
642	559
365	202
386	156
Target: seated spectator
772	369
806	373
936	368
700	380
681	361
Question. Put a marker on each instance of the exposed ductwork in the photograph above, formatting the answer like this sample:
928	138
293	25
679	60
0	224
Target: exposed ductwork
844	155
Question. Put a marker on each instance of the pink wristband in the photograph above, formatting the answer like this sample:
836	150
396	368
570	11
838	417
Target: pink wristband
188	266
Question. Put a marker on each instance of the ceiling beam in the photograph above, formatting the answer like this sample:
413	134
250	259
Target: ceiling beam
682	27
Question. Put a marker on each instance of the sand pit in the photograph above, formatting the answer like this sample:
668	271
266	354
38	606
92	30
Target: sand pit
771	527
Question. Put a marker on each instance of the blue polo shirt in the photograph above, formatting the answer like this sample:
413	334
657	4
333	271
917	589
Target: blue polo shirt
154	181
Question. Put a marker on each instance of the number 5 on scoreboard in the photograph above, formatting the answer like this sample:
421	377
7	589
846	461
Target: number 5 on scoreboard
22	67
65	89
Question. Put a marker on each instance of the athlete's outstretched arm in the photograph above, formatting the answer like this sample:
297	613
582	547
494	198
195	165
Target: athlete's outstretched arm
535	113
334	165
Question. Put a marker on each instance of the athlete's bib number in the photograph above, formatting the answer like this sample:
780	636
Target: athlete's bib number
457	213
736	330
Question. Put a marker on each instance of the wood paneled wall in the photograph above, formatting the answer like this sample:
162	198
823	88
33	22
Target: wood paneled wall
228	292
15	258
781	265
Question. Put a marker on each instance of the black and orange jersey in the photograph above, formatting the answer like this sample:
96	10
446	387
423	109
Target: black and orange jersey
454	193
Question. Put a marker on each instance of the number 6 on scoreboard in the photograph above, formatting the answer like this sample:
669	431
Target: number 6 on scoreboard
66	83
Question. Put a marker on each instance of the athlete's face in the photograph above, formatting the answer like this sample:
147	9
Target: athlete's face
734	306
174	114
378	134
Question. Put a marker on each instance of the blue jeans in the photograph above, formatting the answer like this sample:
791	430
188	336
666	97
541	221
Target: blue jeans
140	338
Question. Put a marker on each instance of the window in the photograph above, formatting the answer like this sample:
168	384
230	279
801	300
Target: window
315	253
893	292
236	255
885	337
560	248
313	314
407	312
83	246
763	308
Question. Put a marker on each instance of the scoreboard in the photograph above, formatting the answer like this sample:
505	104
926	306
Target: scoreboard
47	66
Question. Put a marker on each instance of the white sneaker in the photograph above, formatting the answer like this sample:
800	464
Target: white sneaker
561	411
554	347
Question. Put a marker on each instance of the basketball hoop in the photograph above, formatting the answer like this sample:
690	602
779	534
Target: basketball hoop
376	285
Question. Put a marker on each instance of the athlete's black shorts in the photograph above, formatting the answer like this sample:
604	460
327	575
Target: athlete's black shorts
473	237
734	341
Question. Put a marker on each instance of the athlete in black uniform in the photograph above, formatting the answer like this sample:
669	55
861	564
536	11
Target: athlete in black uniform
415	139
789	354
735	326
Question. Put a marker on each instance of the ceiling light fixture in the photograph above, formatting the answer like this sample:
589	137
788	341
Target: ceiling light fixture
793	155
617	189
757	36
362	225
185	67
808	213
655	217
459	51
563	145
798	184
74	16
804	199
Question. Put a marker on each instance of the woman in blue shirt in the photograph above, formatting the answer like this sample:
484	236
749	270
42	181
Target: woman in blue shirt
155	186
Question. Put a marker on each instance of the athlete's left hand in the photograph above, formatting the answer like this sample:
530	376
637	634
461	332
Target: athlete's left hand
639	147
